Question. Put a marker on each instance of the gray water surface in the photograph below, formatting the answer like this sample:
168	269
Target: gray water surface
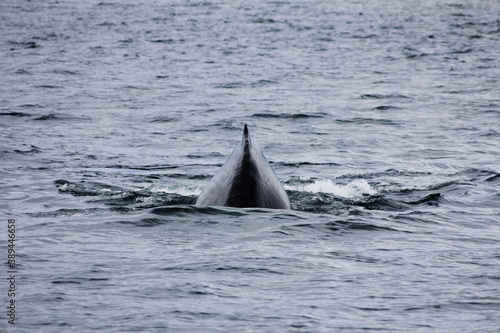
381	118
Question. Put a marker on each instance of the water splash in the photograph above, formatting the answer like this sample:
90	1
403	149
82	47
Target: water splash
356	188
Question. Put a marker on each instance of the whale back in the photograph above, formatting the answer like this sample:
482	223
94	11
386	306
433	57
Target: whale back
245	180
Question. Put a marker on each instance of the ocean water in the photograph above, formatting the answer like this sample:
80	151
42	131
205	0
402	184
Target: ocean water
381	119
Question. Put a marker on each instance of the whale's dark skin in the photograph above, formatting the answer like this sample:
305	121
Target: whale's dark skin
245	180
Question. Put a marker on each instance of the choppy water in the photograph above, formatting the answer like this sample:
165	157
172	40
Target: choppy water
382	119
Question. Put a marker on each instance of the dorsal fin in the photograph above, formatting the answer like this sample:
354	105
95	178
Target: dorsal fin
246	142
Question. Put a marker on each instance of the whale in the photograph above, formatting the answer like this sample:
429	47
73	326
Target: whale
245	180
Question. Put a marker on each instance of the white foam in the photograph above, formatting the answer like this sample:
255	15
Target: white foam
178	189
356	188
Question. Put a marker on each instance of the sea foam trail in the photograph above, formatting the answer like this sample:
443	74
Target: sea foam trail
356	188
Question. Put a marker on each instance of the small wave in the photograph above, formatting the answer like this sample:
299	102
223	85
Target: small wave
216	267
261	20
401	189
65	72
341	226
126	41
263	83
381	96
50	116
69	212
318	203
368	36
386	107
25	44
182	176
15	114
442	185
494	178
462	51
144	168
163	119
66	282
474	174
29	106
388	172
22	72
146	222
363	121
230	85
299	164
381	202
129	86
48	86
204	156
46	36
252	270
56	116
33	150
184	210
290	115
163	41
77	280
432	200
